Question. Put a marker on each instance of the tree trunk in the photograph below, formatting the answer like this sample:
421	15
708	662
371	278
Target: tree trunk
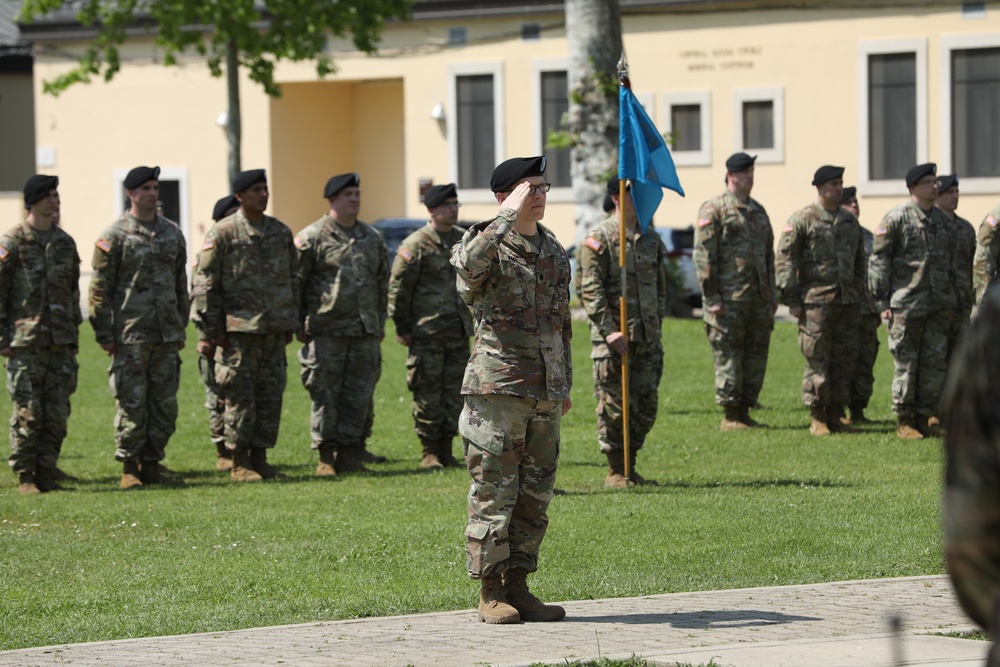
234	123
594	33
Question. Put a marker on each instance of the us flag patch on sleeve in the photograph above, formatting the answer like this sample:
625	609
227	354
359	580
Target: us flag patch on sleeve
881	231
4	253
789	227
704	221
103	245
208	245
594	244
298	242
991	221
405	254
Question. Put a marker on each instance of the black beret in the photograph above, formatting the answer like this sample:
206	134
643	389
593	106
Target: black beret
509	172
339	182
918	172
609	204
827	173
947	182
437	194
140	175
37	187
614	186
245	179
223	205
738	162
849	194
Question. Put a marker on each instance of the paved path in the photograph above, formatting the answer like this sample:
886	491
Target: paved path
843	624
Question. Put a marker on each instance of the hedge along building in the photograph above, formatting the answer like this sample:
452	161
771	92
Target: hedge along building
873	86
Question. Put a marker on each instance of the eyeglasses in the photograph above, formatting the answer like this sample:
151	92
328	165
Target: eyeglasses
535	189
450	204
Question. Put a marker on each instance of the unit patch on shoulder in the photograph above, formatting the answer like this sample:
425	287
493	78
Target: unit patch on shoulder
704	221
991	221
881	231
405	254
594	244
103	245
298	242
208	245
4	253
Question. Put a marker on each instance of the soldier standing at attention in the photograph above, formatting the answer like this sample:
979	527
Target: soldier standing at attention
245	295
984	264
344	274
515	275
139	311
39	334
646	296
863	380
821	272
965	248
911	275
734	257
434	323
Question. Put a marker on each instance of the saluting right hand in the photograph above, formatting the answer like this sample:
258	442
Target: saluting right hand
518	198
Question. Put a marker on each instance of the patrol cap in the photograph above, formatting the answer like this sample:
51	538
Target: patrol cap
849	194
509	172
437	194
918	172
738	162
827	173
245	179
37	187
226	203
140	175
339	182
614	186
947	182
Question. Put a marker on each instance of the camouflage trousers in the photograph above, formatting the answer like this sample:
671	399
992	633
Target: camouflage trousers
918	341
340	373
828	339
740	340
645	368
863	382
435	368
956	330
144	378
40	381
251	373
512	450
214	402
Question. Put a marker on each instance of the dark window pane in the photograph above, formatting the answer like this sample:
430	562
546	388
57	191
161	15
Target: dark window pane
555	103
892	115
685	123
975	119
758	124
475	130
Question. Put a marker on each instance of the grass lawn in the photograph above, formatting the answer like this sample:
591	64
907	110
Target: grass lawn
757	508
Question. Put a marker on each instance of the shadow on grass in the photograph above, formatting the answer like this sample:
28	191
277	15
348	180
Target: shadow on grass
736	484
701	620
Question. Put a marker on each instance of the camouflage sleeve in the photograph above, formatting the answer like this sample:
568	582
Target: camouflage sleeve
474	256
984	263
75	296
706	254
383	284
206	295
880	264
769	244
304	268
293	276
861	267
786	265
105	263
405	271
662	278
567	328
8	257
594	258
181	282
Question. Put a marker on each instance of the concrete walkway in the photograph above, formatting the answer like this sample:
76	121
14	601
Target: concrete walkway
843	624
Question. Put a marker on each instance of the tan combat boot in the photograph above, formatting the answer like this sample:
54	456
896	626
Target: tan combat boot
530	608
837	420
818	425
906	429
858	414
130	475
616	471
430	460
26	484
258	461
635	476
326	462
242	471
747	419
223	457
928	429
445	456
493	607
348	459
732	421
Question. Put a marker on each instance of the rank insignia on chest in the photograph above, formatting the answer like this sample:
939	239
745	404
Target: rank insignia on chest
208	245
594	244
103	245
298	242
4	253
405	254
704	221
991	221
881	231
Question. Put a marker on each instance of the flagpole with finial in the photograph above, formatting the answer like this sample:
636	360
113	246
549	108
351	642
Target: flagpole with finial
623	300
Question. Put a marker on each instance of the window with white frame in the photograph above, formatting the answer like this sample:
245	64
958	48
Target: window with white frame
760	123
687	122
971	110
475	131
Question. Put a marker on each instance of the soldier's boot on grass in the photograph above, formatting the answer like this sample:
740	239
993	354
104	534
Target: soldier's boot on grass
493	606
429	459
348	459
817	423
837	420
733	421
27	484
530	608
616	478
747	419
258	461
149	473
858	415
223	457
635	476
63	476
242	470
327	462
46	480
925	427
365	456
906	428
445	455
130	475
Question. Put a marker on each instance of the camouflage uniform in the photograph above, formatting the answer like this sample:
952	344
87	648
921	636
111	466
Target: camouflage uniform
821	268
518	375
139	302
734	257
344	276
39	322
424	304
600	293
214	402
912	272
965	250
246	290
984	266
972	471
863	380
